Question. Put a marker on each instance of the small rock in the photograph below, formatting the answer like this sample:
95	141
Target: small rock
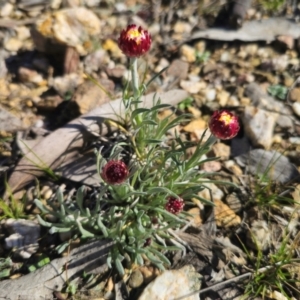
67	83
225	56
24	236
71	27
296	108
136	279
222	98
178	69
23	33
269	163
188	53
208	68
29	75
195	217
6	10
225	216
259	236
95	60
191	87
210	94
294	95
88	95
117	71
221	150
112	47
259	126
13	44
9	122
174	284
212	166
182	27
234	202
149	273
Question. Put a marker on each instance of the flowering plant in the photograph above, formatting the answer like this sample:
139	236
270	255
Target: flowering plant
146	180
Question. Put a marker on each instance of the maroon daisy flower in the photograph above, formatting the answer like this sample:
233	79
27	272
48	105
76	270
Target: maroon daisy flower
224	125
174	205
115	172
134	41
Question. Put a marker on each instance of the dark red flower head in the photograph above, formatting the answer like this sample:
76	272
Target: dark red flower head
174	205
115	172
224	125
134	41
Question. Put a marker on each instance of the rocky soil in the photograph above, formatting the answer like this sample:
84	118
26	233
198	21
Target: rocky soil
60	60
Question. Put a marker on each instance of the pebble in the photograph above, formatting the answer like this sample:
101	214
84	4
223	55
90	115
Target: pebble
296	108
221	150
13	44
23	33
24	236
195	217
294	95
225	56
234	202
188	53
210	94
6	10
222	98
191	86
259	126
174	284
259	236
136	279
225	216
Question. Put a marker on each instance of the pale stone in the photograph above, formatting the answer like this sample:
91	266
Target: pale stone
188	53
225	216
12	44
296	108
6	10
23	33
222	98
259	126
24	236
259	236
191	87
174	284
182	27
210	94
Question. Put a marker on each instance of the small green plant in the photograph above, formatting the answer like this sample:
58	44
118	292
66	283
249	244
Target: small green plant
278	91
272	5
202	57
146	180
12	208
186	103
6	265
271	273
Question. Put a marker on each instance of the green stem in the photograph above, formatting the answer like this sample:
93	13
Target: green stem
135	78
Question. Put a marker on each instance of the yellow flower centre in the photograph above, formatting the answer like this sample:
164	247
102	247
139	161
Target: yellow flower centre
134	34
226	118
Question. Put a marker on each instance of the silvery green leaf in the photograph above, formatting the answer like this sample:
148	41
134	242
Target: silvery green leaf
60	196
79	198
129	249
139	259
61	248
41	206
139	111
55	229
43	223
119	227
152	258
131	240
160	106
84	233
109	260
160	256
119	266
102	226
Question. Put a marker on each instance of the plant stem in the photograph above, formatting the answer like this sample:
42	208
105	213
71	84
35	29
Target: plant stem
135	78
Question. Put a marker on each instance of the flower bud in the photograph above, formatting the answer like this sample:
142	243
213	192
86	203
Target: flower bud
134	41
174	205
115	172
224	125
